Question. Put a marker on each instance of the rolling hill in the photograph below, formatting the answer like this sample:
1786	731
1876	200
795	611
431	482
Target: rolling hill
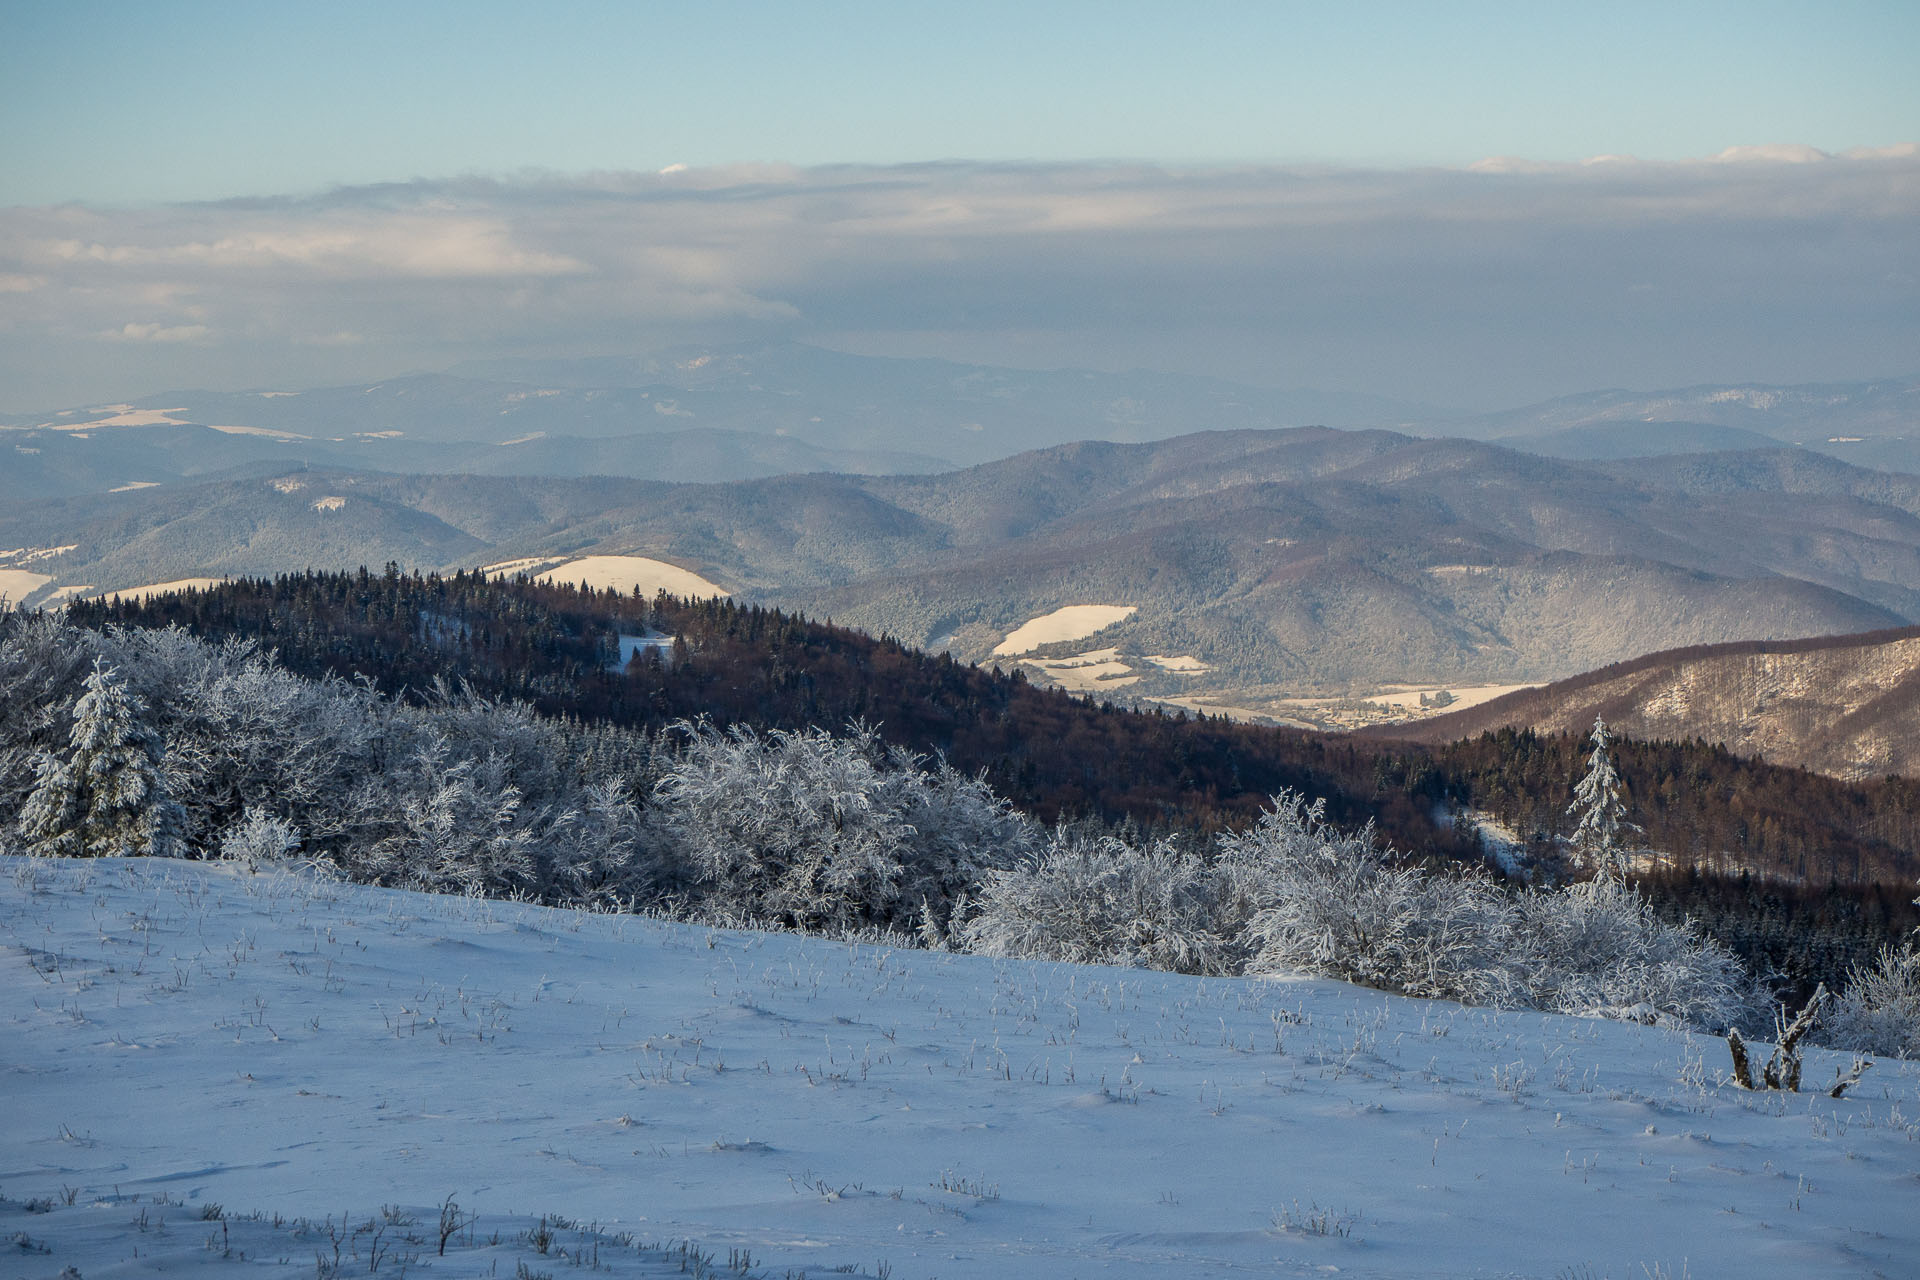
1842	705
1261	564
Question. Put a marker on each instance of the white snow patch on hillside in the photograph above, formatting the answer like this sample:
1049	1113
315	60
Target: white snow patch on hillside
1088	672
124	415
1074	622
1407	697
281	1044
18	584
163	588
272	433
631	573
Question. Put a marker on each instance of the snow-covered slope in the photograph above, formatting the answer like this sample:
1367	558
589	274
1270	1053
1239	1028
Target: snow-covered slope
175	1036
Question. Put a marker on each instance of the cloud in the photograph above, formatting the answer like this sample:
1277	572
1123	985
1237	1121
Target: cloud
1482	285
416	245
156	333
1772	153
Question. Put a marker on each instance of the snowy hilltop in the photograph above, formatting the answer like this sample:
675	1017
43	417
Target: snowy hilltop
212	1071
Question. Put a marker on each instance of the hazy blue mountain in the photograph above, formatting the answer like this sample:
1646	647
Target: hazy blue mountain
1296	560
1808	414
1605	442
713	414
772	408
38	463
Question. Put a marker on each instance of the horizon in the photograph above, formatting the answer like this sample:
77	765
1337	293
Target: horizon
1476	208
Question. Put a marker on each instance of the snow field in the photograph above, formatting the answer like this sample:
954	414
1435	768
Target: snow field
179	1036
1071	622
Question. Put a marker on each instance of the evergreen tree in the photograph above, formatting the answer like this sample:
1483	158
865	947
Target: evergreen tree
106	798
1600	811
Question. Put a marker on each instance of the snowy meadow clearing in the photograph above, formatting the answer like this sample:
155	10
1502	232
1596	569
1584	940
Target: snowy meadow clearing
206	1071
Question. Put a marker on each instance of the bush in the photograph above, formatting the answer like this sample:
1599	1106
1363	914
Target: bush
1879	1012
1105	902
1598	948
259	837
823	832
1334	903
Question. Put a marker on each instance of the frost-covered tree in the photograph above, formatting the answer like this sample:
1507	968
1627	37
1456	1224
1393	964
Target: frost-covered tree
792	828
1332	902
1598	948
43	664
1599	810
244	733
824	832
1879	1012
1104	902
105	797
596	853
962	833
447	824
259	837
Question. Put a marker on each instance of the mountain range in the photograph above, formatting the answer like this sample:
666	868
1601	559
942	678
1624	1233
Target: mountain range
711	414
1259	564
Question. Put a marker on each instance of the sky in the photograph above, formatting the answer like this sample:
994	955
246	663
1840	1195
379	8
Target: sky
512	158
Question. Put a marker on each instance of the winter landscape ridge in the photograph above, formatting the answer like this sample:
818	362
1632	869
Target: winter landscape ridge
956	641
218	1072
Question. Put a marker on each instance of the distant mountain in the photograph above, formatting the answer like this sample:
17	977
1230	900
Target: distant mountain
1606	442
66	463
714	414
1260	566
697	415
1871	423
1806	414
1848	706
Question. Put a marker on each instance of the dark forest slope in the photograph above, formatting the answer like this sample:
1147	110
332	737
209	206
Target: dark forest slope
1799	870
1843	705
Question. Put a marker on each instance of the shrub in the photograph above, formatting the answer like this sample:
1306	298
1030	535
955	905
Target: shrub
1879	1012
1105	902
823	832
1598	948
1334	903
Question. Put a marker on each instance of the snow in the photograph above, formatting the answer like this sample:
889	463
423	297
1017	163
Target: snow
633	646
165	588
125	415
186	1035
1184	664
1406	698
18	584
623	573
272	433
1074	622
630	573
1088	672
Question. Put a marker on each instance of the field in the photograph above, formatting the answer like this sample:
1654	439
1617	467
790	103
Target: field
214	1072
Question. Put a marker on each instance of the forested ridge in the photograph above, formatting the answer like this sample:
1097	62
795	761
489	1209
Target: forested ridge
556	648
1801	873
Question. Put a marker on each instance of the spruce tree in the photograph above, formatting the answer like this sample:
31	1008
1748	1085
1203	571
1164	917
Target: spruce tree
106	798
1600	810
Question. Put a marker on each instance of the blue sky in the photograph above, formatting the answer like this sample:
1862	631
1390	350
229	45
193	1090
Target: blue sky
138	102
265	194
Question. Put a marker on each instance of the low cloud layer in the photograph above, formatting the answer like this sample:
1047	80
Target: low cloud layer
1482	287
